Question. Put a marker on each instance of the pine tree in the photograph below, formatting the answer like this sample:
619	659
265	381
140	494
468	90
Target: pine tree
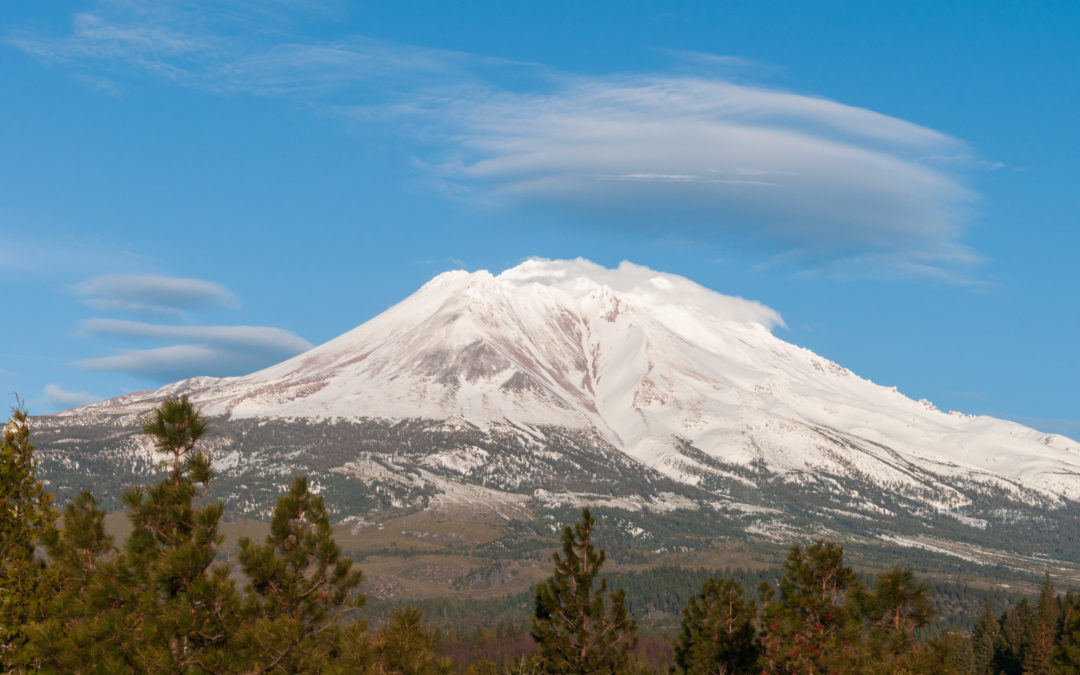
175	427
26	513
718	634
1043	632
576	631
813	626
984	641
79	552
302	590
1012	649
1048	606
185	605
1067	651
161	605
404	647
897	608
944	654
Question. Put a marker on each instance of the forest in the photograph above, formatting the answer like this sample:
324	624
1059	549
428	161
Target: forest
165	600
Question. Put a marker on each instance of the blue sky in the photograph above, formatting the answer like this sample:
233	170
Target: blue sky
198	187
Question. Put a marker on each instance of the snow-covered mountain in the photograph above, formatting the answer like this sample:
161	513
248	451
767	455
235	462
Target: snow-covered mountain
561	383
650	361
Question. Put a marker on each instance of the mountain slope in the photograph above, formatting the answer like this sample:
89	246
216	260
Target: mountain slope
556	384
643	358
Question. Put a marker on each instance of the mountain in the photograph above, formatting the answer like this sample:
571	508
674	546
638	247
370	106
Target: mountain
558	383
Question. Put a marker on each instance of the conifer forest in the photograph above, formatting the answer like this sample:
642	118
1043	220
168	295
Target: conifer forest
166	598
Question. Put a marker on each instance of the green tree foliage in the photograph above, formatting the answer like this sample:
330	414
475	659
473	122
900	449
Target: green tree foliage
162	604
184	604
1067	651
1009	657
576	630
945	654
26	513
404	647
167	602
896	609
301	591
175	427
1043	631
814	624
985	640
78	552
718	632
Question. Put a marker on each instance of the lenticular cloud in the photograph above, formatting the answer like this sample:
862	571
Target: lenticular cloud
656	152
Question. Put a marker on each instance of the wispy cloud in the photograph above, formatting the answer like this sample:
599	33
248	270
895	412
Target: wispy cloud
671	152
207	350
696	153
153	295
44	255
259	337
59	397
181	351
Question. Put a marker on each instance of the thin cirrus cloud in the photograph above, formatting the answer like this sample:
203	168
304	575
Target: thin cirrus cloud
154	295
218	351
63	399
658	152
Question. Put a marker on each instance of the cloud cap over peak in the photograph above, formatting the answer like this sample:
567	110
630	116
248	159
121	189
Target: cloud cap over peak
715	156
661	291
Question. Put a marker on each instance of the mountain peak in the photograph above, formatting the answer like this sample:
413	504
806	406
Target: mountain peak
650	361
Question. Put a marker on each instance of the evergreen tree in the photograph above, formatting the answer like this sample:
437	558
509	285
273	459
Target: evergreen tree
576	631
26	513
945	654
187	604
301	588
898	607
718	633
78	553
984	641
482	667
1043	632
404	647
162	605
1048	607
813	627
1067	651
175	427
1012	649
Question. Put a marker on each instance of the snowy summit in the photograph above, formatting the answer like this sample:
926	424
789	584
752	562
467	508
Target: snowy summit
652	362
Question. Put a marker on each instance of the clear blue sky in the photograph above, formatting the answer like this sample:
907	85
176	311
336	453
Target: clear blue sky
205	187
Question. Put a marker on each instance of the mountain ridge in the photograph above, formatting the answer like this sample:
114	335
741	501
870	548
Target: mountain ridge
643	358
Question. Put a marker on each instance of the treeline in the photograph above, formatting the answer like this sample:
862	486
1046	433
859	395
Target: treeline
163	603
72	601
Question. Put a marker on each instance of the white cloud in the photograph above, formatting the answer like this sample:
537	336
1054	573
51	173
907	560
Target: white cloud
661	152
260	337
666	293
667	153
208	350
153	295
63	399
